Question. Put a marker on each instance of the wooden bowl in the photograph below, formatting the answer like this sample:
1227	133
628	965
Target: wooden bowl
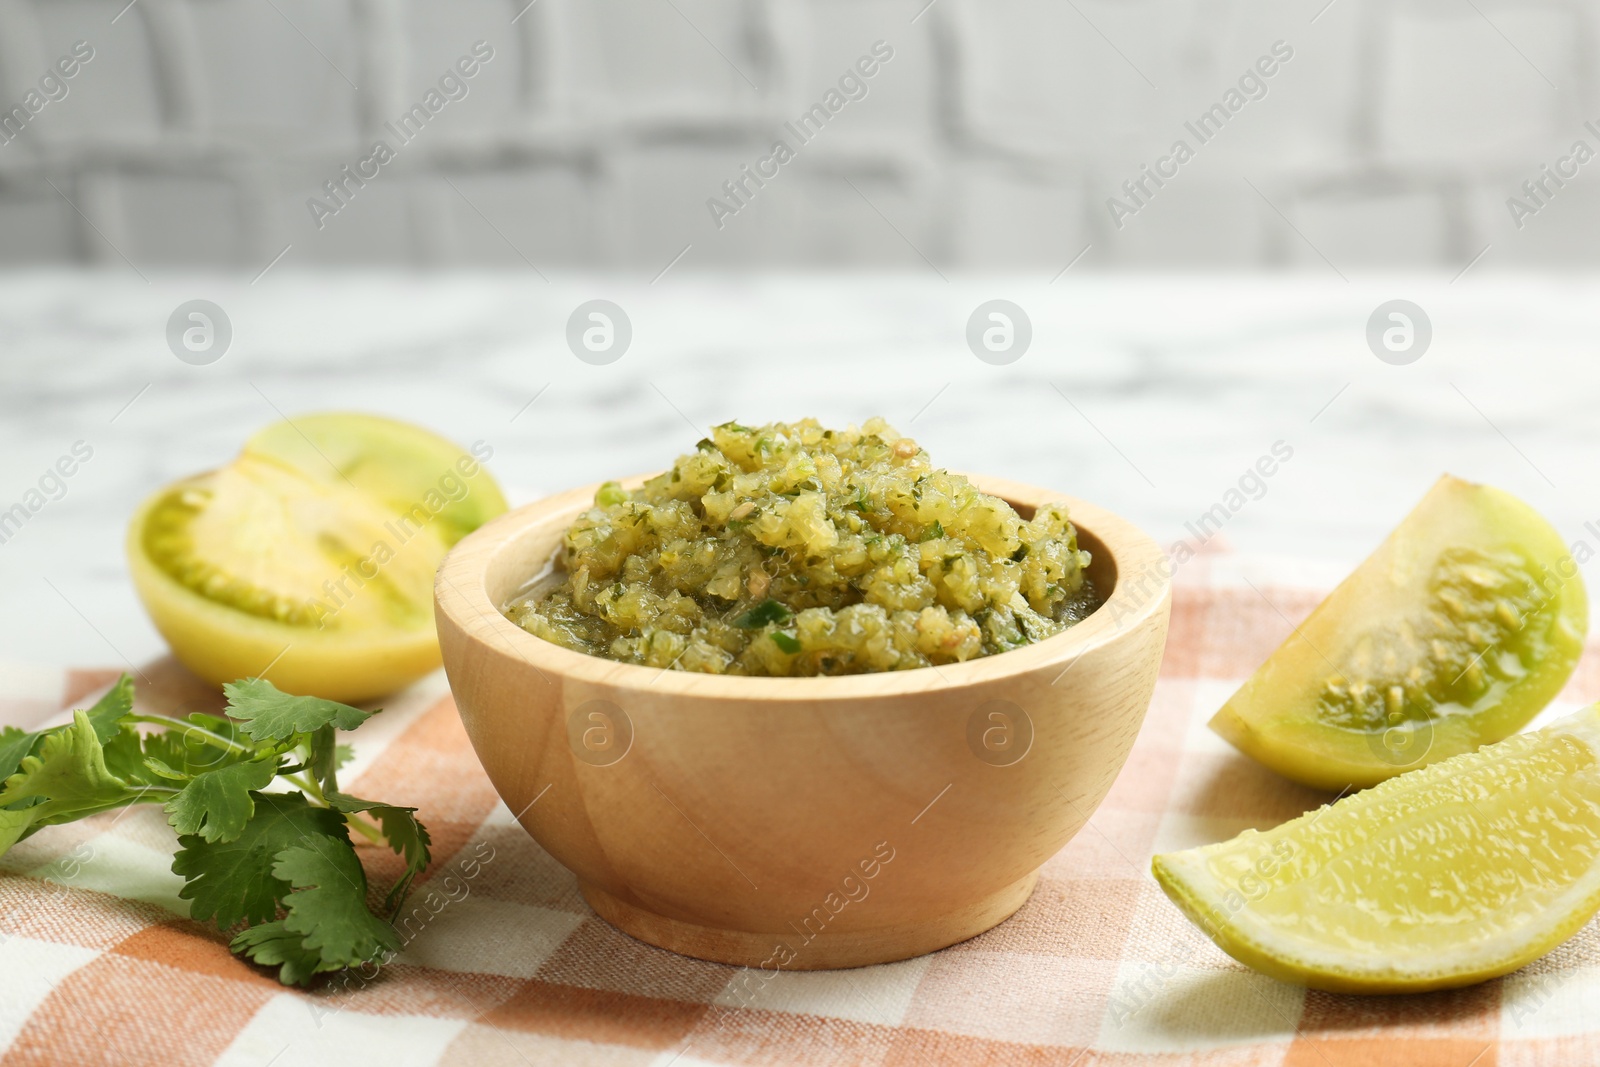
802	823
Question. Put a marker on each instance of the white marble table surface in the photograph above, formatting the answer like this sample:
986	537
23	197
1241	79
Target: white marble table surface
1148	395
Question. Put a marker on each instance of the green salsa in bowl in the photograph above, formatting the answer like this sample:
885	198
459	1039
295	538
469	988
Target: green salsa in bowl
790	549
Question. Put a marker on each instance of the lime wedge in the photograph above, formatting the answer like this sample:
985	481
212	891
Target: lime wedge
1443	877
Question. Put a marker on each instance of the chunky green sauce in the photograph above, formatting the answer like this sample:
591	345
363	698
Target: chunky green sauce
789	549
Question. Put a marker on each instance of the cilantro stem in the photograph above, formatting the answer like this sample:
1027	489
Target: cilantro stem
313	789
139	796
172	724
308	786
364	828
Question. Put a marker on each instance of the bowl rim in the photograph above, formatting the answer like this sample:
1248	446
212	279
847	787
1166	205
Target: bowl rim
461	595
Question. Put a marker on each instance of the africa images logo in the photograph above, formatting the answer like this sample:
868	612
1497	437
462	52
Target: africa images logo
453	85
1541	189
1252	85
852	86
52	88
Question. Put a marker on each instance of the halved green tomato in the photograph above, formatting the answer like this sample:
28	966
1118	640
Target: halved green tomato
1462	626
403	466
309	560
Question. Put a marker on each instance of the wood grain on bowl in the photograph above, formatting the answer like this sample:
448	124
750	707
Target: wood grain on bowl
802	823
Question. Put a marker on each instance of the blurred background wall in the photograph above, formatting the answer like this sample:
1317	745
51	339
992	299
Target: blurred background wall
1392	135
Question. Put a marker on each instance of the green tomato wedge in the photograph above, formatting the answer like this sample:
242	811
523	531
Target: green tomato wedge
1460	628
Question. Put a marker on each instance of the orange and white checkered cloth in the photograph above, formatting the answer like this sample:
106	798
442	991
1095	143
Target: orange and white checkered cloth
100	965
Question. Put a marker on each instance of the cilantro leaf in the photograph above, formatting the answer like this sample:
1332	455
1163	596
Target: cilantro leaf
14	825
763	613
268	714
166	749
104	716
217	804
329	904
14	744
108	733
161	769
401	829
124	756
67	779
232	882
107	713
272	945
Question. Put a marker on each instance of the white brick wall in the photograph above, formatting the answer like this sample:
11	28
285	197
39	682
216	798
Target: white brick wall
992	140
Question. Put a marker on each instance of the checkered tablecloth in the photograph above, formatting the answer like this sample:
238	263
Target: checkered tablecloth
99	963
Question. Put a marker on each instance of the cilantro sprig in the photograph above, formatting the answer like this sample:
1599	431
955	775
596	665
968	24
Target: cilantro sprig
277	867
